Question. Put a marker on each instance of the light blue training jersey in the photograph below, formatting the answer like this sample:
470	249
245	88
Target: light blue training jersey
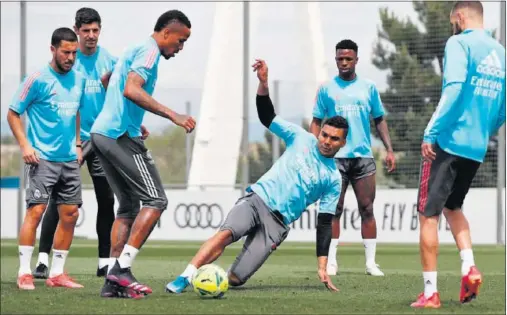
472	105
51	101
93	67
120	115
356	101
300	177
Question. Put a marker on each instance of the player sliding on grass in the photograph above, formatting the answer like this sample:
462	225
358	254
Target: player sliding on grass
471	109
305	173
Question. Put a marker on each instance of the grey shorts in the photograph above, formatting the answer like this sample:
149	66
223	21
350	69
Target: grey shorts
60	181
92	161
250	216
131	172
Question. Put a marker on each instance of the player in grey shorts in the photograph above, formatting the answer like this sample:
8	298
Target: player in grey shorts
304	174
51	99
96	64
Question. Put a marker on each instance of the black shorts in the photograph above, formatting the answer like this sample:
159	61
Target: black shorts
356	168
444	182
131	172
92	161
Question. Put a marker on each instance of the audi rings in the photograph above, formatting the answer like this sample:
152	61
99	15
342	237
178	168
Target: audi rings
198	215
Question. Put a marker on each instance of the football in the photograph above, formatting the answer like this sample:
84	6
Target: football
210	281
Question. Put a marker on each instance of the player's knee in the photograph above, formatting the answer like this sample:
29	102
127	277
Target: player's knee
339	211
235	281
35	212
366	211
159	203
69	214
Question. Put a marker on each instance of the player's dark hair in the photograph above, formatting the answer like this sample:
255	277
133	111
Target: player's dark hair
473	5
338	122
62	33
347	44
87	16
171	17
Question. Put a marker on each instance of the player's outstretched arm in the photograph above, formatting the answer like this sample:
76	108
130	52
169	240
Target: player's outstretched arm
285	130
323	241
134	91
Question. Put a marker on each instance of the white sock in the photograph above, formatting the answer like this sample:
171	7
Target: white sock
430	283
127	256
370	247
43	259
103	262
189	271
25	256
58	262
333	248
112	262
467	260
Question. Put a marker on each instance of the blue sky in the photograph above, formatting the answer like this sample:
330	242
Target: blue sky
277	35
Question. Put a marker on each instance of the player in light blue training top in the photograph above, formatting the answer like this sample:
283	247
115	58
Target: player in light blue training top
51	98
304	174
470	111
356	99
117	138
96	65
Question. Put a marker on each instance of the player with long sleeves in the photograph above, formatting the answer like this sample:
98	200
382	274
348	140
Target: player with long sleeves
470	111
305	173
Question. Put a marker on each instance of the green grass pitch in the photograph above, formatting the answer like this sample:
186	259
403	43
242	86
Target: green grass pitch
286	284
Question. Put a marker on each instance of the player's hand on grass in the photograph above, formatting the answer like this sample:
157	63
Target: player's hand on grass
324	278
185	121
29	155
390	161
427	151
261	68
144	133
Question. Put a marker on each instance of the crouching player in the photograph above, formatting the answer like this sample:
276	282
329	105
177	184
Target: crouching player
305	173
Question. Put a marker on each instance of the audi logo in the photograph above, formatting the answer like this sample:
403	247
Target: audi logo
198	215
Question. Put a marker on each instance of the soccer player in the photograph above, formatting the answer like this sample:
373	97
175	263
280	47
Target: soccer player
129	167
471	109
354	98
305	173
51	97
96	64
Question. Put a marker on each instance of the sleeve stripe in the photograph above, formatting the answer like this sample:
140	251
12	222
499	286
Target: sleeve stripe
150	60
28	84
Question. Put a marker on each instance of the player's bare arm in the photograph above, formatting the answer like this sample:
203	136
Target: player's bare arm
383	131
105	79
79	149
315	126
28	153
134	92
261	68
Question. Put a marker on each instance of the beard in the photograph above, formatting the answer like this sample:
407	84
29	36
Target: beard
456	29
60	66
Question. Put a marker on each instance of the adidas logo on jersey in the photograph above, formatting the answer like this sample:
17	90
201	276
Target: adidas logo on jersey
491	65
